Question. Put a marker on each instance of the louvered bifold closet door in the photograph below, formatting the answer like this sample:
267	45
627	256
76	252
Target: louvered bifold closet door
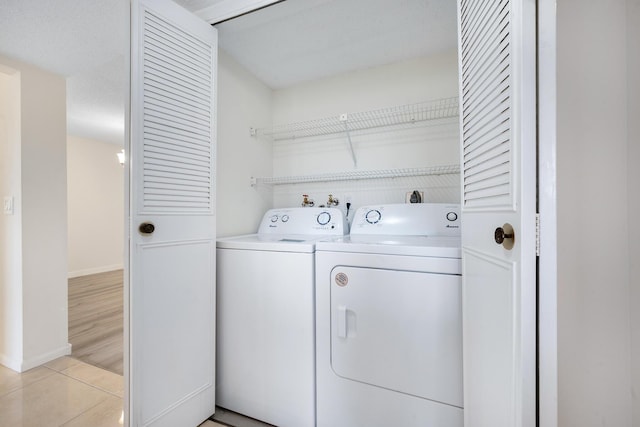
178	171
497	72
172	253
486	104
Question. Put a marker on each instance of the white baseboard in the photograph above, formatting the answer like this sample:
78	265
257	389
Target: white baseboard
46	357
95	270
25	365
9	362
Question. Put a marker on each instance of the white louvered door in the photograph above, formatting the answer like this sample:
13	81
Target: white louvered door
171	298
498	128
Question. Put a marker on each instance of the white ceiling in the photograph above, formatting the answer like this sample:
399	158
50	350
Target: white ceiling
297	41
83	41
284	44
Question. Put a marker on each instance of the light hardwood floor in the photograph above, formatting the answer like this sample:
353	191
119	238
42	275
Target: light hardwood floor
96	319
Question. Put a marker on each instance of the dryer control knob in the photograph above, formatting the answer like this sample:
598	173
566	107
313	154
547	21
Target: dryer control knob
285	218
373	216
274	218
452	216
324	218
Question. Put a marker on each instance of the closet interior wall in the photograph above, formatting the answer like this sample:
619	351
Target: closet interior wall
245	103
424	144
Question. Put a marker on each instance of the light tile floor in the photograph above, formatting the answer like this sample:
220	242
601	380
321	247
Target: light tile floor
64	392
229	418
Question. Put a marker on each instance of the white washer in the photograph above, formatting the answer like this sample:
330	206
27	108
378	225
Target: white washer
265	345
388	320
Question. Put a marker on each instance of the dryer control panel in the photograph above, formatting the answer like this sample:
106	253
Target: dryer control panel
325	221
408	219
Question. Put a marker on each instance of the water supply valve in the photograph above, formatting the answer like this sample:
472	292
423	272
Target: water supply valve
306	201
332	201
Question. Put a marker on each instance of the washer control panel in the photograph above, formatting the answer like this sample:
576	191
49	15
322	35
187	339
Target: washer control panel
417	219
310	220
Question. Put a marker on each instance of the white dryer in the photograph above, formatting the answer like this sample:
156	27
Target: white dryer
388	320
265	344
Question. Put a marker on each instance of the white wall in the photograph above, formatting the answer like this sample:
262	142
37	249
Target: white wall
594	350
95	194
404	83
42	201
243	102
10	225
633	170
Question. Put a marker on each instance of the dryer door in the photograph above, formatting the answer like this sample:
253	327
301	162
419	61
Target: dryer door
400	330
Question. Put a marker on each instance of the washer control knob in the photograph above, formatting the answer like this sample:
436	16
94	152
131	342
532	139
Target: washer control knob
452	216
274	218
373	216
285	218
324	218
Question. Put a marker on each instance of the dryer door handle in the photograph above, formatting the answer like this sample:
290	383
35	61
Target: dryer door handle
342	321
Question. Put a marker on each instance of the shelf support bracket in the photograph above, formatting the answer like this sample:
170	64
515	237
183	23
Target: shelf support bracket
344	118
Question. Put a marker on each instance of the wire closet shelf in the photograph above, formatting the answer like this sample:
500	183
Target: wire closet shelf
349	122
358	175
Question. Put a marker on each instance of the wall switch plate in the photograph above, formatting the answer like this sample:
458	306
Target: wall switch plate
7	206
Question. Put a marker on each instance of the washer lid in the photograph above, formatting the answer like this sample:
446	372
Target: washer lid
303	243
426	246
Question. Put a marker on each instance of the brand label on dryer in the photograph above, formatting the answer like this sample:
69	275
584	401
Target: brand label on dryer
341	279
